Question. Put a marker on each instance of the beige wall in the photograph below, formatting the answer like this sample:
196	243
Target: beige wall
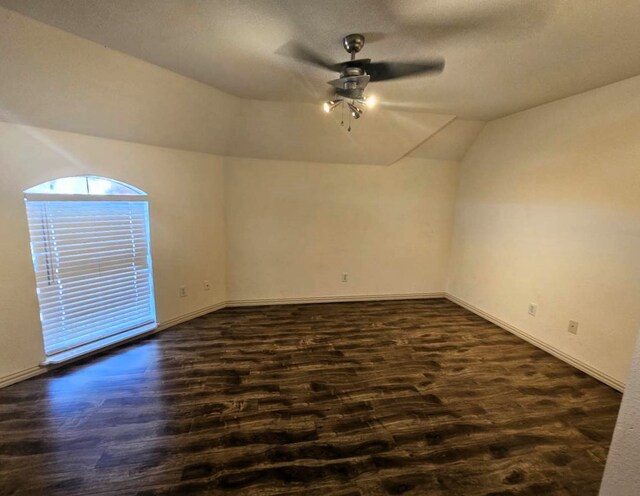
621	475
187	224
294	228
548	211
56	80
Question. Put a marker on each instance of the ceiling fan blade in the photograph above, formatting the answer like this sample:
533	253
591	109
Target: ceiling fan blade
302	53
382	71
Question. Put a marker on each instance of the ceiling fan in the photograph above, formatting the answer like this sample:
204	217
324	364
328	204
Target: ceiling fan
356	74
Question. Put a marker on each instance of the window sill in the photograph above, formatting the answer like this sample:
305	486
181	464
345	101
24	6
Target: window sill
102	344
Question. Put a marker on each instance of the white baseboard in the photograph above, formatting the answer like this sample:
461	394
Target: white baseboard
191	315
601	376
21	375
332	299
579	364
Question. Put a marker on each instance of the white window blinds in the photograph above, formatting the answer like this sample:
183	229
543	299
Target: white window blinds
93	268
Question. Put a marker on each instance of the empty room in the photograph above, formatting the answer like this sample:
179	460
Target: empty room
330	247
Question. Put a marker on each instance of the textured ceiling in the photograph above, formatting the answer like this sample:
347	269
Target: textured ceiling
502	55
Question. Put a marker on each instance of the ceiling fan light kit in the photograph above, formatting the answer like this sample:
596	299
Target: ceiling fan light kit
331	104
356	74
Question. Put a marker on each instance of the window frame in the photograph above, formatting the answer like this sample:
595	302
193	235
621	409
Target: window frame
109	339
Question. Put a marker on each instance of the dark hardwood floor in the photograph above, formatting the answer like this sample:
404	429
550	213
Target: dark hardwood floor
406	397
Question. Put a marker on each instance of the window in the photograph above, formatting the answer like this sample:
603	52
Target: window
92	261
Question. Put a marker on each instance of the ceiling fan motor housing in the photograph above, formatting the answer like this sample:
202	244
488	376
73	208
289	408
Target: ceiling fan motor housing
352	71
353	43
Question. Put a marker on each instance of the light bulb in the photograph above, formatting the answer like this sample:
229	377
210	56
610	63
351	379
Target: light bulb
330	105
371	101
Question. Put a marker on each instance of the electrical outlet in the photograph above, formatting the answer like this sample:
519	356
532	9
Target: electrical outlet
573	327
533	308
183	291
345	277
206	285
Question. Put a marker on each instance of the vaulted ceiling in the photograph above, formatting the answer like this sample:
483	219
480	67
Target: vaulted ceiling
502	56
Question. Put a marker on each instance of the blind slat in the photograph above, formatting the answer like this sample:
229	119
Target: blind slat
95	335
97	238
81	327
119	254
88	300
96	270
92	286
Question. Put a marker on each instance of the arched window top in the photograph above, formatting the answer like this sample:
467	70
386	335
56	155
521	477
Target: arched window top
84	185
